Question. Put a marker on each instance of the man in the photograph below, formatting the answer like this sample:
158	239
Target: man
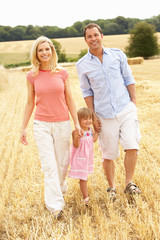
108	88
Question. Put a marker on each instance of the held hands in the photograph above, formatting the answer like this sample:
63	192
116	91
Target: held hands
23	137
78	130
97	124
76	135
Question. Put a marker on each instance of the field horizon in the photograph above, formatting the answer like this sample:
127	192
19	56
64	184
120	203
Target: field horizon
19	51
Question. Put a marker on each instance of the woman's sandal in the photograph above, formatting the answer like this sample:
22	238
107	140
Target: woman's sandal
57	214
132	189
111	193
86	201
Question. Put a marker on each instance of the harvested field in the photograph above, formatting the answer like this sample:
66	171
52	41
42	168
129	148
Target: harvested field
22	211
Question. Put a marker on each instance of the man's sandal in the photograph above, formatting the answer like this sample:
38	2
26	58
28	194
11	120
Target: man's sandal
86	201
111	193
132	189
57	214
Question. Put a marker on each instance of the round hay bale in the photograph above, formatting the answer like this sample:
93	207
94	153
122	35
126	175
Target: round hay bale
136	60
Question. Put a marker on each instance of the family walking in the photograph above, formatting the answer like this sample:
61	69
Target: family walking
108	88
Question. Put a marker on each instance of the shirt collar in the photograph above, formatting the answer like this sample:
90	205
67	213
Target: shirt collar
90	55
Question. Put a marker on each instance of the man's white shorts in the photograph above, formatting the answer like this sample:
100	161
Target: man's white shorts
124	128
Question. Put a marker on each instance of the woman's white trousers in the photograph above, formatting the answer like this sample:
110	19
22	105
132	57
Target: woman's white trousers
53	140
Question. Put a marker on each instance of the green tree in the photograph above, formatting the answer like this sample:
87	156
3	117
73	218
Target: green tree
112	28
71	31
143	41
49	31
132	22
122	23
31	33
82	53
79	27
156	22
5	33
61	54
17	33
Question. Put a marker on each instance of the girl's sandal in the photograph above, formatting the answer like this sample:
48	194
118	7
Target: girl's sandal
86	201
111	193
132	189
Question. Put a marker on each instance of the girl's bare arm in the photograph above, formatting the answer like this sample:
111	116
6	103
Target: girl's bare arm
75	137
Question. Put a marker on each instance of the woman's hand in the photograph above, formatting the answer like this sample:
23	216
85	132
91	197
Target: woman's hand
23	137
79	130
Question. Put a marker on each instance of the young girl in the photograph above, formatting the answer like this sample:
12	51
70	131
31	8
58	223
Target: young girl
81	159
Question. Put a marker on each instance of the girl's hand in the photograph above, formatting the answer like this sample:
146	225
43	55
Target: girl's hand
97	124
23	137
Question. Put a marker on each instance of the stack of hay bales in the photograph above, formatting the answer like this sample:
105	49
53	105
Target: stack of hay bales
136	60
3	78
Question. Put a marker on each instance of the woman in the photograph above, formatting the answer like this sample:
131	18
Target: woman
52	129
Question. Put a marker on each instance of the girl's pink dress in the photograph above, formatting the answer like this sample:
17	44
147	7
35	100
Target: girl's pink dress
81	158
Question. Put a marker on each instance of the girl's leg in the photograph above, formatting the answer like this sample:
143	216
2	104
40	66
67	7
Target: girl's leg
84	188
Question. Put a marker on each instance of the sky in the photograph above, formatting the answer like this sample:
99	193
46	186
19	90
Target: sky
64	13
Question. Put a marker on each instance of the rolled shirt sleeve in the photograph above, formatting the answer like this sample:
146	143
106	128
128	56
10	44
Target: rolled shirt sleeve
126	70
84	84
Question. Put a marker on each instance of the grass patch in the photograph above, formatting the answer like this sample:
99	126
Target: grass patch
13	58
14	65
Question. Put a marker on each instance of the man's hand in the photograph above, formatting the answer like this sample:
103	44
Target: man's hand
97	124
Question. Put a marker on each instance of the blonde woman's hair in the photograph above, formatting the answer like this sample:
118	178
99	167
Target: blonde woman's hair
34	59
84	113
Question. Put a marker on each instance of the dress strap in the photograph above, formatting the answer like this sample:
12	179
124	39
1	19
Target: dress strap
88	133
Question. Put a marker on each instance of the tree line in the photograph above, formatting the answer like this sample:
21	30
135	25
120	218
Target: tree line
118	25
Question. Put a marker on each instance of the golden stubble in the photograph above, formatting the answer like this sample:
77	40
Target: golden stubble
22	211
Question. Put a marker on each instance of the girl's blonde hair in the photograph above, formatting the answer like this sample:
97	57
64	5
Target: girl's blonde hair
84	113
34	58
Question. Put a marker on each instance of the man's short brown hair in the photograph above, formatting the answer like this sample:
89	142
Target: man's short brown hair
92	25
